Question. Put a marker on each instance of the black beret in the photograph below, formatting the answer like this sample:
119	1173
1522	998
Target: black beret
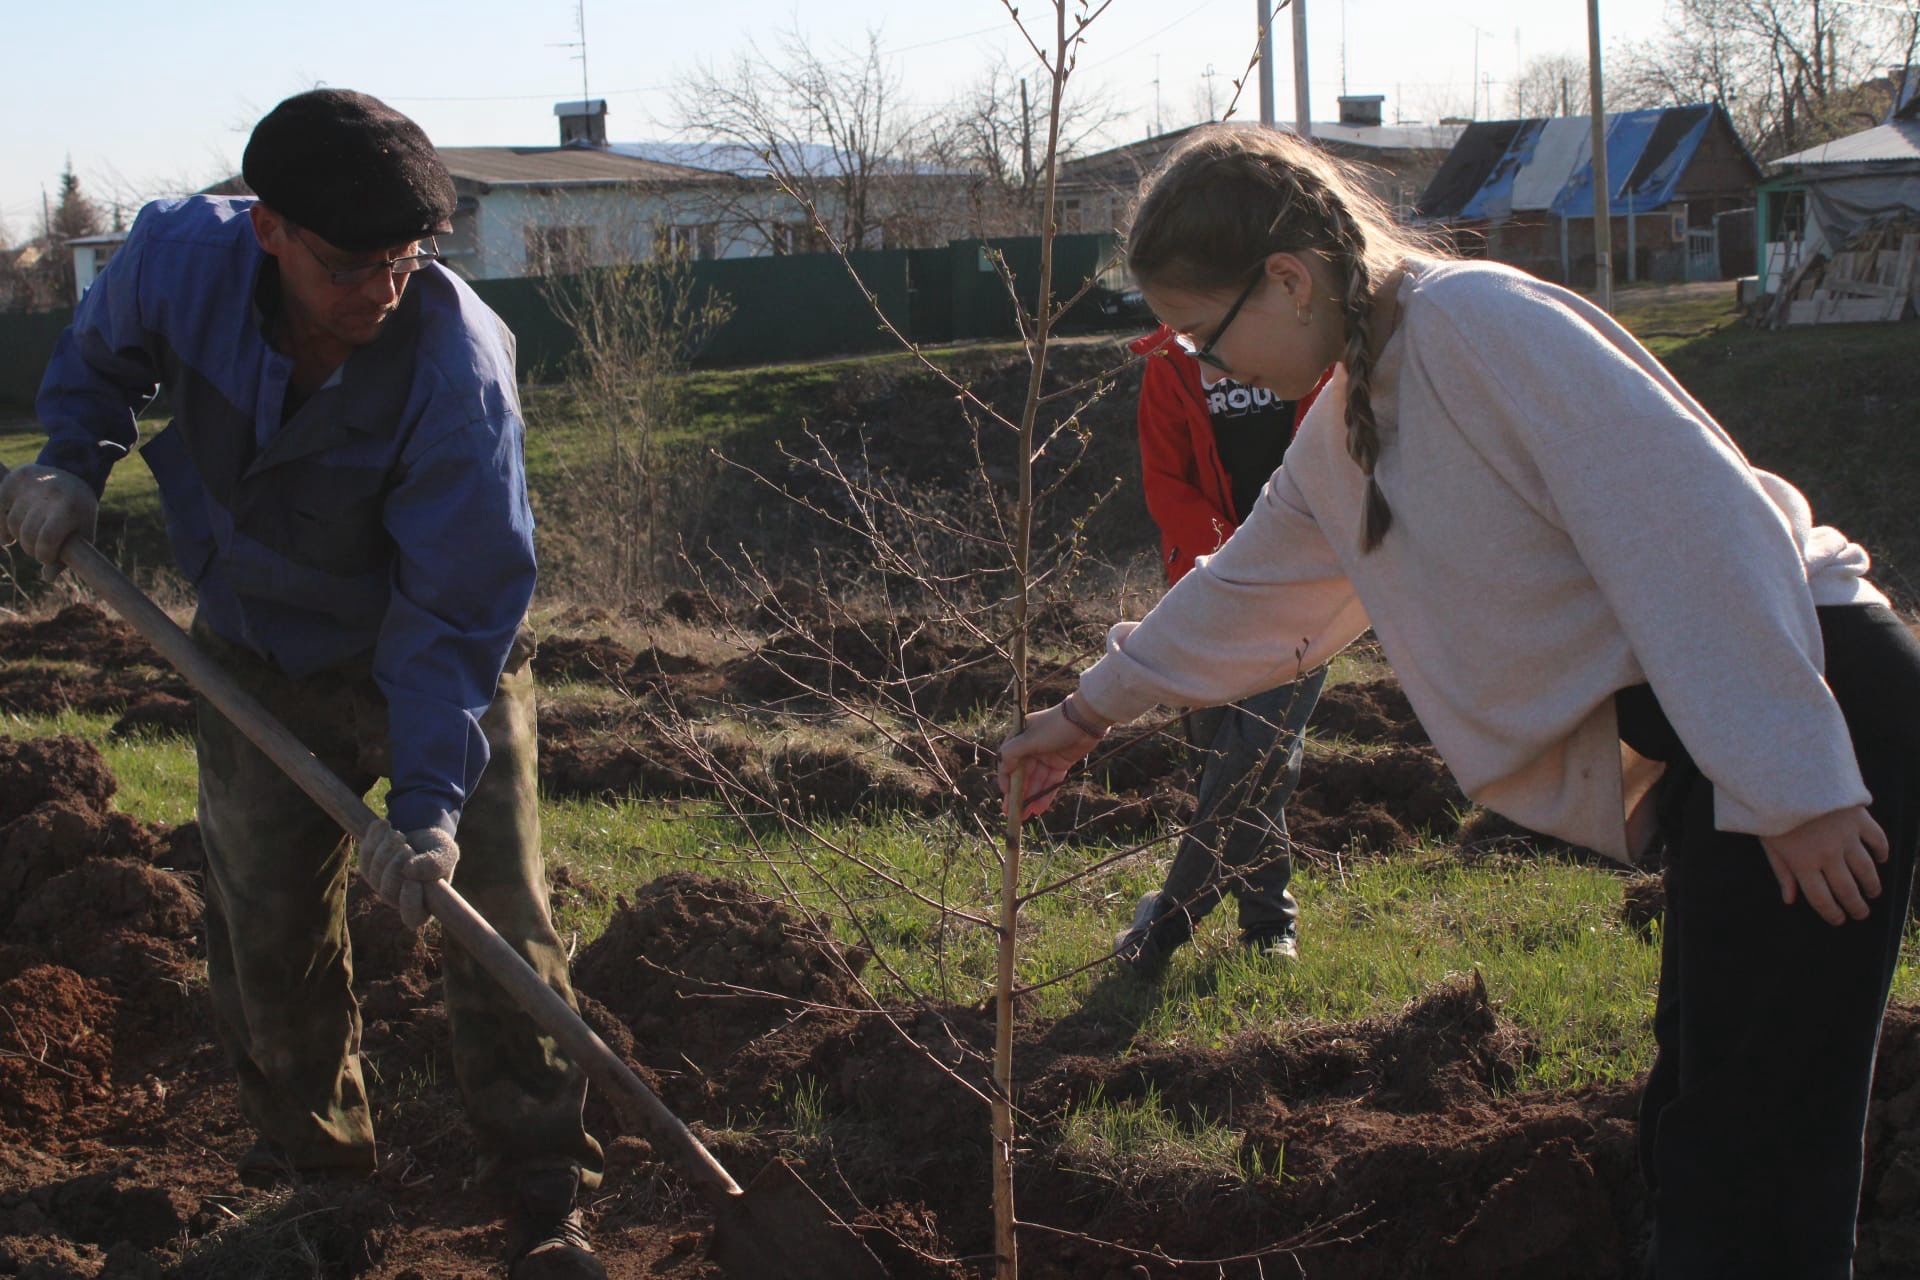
349	168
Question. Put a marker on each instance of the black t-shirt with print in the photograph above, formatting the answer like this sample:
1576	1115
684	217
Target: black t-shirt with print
1251	428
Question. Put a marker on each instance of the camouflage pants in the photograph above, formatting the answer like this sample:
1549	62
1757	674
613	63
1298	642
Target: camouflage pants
278	958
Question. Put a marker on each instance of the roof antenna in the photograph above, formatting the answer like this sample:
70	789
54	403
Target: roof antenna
580	26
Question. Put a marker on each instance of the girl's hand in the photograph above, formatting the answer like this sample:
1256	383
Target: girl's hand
1830	860
1048	747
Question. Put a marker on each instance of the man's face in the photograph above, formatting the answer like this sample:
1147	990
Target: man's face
351	311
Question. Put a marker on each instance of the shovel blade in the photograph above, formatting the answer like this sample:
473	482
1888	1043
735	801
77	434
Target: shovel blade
779	1227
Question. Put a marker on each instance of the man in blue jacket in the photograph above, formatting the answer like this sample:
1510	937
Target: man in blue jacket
343	483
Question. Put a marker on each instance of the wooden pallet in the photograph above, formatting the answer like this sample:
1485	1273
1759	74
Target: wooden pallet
1874	279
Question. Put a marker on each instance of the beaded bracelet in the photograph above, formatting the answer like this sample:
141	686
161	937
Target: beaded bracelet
1066	709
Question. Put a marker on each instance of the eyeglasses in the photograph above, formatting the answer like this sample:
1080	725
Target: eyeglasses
404	265
1205	354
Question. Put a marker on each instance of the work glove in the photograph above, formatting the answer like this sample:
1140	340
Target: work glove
398	867
43	507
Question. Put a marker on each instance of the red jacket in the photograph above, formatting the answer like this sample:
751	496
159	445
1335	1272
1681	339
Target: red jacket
1189	494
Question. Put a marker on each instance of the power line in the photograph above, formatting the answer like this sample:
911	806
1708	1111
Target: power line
658	88
1152	35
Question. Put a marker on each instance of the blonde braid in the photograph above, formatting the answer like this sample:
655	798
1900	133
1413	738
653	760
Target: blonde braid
1229	196
1363	431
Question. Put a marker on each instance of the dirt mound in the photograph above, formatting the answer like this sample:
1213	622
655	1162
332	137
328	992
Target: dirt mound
581	658
825	779
606	753
110	1208
384	949
1643	901
30	689
1391	1129
699	967
58	1039
34	771
1144	760
54	817
1369	711
905	663
156	713
78	633
336	1232
78	907
1890	1202
1382	800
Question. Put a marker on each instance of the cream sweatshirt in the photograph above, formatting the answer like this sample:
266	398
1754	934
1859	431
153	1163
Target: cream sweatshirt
1567	521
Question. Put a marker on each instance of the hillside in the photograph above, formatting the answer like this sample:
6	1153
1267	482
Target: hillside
1835	409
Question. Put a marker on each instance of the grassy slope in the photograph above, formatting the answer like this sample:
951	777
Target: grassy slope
1545	933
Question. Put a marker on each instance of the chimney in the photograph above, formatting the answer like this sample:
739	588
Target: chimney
1361	108
582	124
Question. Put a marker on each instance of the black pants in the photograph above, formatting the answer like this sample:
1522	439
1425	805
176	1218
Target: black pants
1768	1018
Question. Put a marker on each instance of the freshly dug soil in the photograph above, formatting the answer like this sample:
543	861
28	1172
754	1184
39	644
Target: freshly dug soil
1375	712
58	1039
1381	801
699	967
600	657
78	633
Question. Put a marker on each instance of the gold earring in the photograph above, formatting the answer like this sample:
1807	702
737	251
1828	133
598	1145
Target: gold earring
1303	313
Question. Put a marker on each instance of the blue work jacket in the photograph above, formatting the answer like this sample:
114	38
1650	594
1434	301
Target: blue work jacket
387	516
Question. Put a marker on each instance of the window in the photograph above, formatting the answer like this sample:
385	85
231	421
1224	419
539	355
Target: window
796	237
559	251
692	240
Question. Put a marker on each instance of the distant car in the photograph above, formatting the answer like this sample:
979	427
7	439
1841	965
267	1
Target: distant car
1123	305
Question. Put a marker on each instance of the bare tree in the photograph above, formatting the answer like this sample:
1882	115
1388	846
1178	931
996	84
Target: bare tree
637	326
995	131
1552	84
833	127
1792	73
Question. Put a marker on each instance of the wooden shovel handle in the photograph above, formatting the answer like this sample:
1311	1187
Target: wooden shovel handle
461	922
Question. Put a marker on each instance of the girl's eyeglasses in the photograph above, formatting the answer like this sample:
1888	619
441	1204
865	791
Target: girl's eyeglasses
1204	354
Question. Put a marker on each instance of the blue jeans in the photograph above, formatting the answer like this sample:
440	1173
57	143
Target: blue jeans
1238	840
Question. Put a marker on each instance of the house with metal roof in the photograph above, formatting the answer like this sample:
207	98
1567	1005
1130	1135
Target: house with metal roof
1818	200
1396	160
526	211
1522	191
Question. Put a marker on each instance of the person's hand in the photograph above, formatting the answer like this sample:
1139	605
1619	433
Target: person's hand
44	506
398	867
1829	860
1050	745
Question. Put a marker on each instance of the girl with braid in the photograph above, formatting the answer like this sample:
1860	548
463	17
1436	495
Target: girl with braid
1609	623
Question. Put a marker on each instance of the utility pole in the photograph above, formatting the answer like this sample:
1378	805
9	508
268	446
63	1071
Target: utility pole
1302	119
1026	139
1264	8
1208	75
1602	203
1473	108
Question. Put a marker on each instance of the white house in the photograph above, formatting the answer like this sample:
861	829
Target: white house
90	253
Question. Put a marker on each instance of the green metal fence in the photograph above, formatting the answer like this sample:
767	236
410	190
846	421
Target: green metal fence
26	344
798	307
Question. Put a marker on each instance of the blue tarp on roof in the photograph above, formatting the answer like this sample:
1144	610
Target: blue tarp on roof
1547	165
1647	151
1494	200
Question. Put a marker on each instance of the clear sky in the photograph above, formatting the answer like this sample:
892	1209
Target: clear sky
158	95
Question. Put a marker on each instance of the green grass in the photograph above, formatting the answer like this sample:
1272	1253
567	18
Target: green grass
1126	1143
1376	933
